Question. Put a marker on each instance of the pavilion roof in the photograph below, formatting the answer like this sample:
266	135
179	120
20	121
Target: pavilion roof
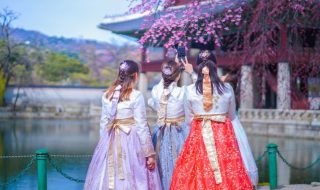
123	24
128	24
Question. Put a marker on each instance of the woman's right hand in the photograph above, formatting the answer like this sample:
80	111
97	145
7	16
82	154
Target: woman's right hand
187	66
151	163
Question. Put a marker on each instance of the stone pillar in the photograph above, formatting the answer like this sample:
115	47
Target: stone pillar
246	87
185	79
220	71
143	84
283	87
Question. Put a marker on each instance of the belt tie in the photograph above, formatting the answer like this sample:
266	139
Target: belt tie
209	141
168	122
116	126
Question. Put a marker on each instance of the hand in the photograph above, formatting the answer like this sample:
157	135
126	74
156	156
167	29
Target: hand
151	163
224	77
187	66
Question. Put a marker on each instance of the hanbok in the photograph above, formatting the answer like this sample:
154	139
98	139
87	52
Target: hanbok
168	136
119	160
216	154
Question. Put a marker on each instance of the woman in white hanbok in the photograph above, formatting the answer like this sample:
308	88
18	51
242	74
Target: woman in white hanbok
216	154
124	157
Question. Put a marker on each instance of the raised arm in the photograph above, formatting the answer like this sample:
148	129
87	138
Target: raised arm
187	108
154	101
143	130
189	69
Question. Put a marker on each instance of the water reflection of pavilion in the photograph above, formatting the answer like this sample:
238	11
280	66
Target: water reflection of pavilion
282	91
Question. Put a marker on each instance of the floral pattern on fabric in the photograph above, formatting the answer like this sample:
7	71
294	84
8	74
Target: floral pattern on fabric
193	169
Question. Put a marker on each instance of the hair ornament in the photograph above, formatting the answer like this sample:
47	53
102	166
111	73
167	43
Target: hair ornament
124	66
204	55
171	54
167	70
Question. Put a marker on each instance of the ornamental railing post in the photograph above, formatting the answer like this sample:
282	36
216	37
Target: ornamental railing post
42	156
272	156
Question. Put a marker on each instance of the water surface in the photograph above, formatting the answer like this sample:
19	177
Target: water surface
24	137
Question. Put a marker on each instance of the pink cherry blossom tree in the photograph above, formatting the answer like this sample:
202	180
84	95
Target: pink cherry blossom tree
261	30
197	21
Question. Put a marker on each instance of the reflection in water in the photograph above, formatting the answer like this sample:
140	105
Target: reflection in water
20	137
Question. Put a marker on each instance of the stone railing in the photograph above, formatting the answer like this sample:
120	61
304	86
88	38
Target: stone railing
282	123
303	117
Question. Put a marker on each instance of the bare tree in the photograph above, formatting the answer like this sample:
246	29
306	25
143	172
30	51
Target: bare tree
10	52
7	61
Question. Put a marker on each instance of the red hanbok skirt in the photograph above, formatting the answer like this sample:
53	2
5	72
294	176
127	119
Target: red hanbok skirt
193	170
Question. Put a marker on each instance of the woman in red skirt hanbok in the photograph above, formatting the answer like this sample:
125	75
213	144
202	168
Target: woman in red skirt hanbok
211	158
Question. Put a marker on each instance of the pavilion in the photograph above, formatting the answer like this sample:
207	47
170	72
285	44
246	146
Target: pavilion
278	94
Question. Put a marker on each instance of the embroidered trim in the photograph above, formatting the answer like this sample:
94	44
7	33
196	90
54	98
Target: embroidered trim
208	139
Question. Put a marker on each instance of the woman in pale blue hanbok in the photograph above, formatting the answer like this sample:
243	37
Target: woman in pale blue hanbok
171	130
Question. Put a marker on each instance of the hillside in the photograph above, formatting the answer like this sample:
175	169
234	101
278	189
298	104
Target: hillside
87	51
59	44
101	58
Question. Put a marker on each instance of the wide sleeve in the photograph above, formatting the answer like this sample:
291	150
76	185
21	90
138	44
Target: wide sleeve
153	101
143	130
187	107
104	116
232	104
243	142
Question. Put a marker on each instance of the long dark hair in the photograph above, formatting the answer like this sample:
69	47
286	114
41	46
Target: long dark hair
170	71
207	58
126	76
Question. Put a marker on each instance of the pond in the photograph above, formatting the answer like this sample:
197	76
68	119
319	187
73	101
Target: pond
79	137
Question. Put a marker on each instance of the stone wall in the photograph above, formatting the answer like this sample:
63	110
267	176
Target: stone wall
50	111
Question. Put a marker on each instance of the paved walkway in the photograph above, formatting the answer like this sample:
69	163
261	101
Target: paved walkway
313	186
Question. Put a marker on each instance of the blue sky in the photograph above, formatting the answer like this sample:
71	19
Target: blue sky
68	18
